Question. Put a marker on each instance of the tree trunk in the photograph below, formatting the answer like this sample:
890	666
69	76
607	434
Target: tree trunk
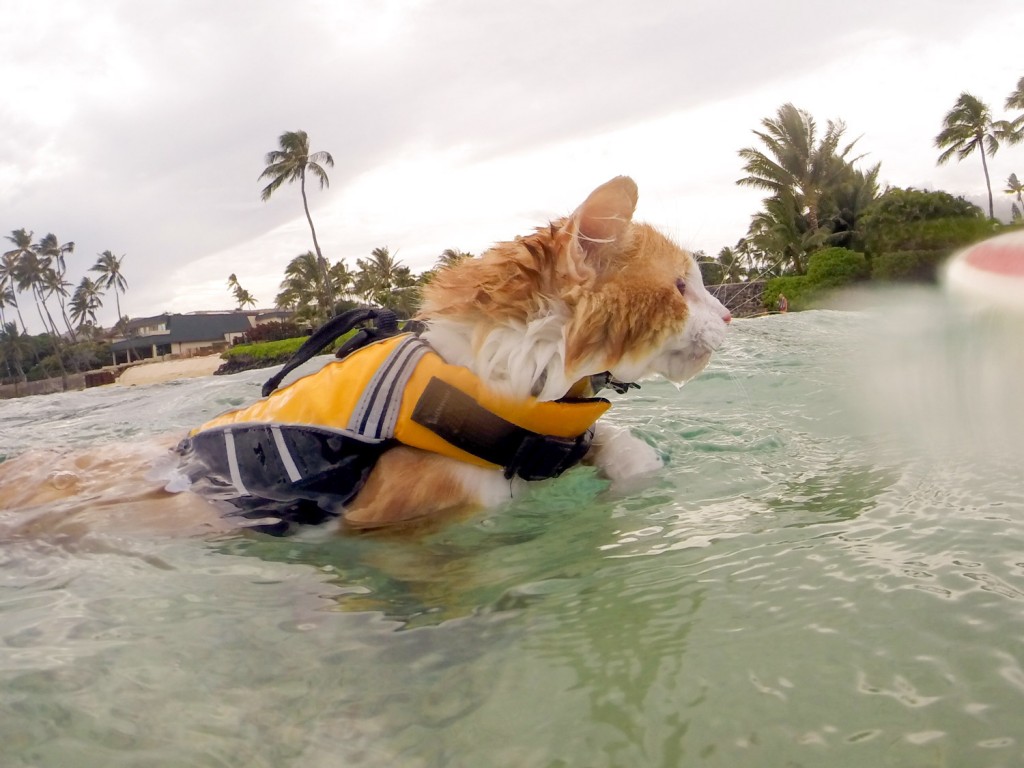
51	330
117	301
321	263
24	328
812	212
797	263
67	321
988	183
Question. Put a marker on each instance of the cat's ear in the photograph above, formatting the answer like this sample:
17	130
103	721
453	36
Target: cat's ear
606	212
601	221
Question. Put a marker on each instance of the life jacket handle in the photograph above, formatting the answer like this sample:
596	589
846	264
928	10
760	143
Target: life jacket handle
339	325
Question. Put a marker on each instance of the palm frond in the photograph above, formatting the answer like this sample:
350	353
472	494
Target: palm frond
322	157
1016	99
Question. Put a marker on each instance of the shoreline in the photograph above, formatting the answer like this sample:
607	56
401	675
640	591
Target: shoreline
162	371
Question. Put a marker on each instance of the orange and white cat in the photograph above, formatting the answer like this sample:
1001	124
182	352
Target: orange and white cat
589	293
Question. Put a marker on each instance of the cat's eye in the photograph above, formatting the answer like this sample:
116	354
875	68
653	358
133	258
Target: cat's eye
681	285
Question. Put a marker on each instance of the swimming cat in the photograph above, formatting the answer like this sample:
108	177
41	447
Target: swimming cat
591	293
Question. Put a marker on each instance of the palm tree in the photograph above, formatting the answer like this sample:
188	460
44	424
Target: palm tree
303	288
14	348
7	299
967	127
732	265
85	301
1016	101
22	240
9	265
450	257
244	299
784	234
383	280
54	284
242	296
375	277
8	270
759	264
32	272
50	247
852	194
109	268
796	162
342	279
8	296
54	251
290	163
1015	187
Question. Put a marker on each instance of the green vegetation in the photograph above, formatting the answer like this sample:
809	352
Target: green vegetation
711	272
384	281
266	354
31	358
836	267
827	270
816	193
264	350
821	207
261	354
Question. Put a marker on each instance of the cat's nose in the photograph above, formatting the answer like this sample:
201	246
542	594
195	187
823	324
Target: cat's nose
727	317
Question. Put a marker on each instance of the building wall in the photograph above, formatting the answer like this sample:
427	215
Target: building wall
196	348
42	387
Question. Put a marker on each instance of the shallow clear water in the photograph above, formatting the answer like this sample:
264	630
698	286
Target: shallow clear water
829	571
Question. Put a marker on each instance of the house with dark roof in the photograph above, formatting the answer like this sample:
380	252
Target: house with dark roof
174	335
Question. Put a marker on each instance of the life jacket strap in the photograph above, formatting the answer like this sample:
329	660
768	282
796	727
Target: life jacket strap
458	419
387	325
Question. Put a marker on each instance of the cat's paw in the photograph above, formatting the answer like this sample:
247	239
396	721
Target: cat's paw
620	455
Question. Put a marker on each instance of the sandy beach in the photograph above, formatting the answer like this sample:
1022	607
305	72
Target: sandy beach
169	370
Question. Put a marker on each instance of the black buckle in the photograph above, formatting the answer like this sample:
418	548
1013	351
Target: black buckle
540	457
601	380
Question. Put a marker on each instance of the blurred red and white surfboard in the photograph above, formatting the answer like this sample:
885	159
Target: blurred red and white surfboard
990	273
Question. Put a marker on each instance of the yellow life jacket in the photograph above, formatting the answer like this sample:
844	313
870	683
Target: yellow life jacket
318	437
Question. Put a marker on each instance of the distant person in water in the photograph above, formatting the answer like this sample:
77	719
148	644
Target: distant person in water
783	303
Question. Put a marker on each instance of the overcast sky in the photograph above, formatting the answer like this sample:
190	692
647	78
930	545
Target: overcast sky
141	127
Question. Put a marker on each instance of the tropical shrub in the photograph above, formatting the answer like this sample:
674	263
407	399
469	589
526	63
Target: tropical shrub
798	289
943	234
827	270
913	219
264	350
86	355
834	267
908	266
275	330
